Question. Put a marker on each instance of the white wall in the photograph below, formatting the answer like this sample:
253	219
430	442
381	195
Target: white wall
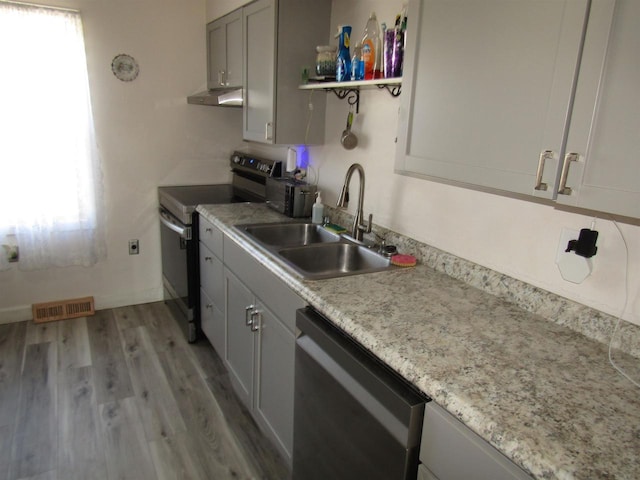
147	136
518	238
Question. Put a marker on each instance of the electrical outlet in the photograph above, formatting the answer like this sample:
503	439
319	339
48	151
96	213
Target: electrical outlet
134	247
13	253
573	268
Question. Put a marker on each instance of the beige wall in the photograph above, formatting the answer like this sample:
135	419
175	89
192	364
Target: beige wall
147	136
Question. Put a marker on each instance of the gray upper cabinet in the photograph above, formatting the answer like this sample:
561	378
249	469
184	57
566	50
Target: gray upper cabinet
224	49
489	85
280	37
602	160
502	95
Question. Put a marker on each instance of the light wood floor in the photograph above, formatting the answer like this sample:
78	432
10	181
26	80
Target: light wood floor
122	395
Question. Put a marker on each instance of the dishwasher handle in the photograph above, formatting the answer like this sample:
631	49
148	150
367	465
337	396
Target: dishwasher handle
172	224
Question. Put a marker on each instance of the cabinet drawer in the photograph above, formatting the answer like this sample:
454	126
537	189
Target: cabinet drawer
212	276
451	451
211	236
212	323
272	291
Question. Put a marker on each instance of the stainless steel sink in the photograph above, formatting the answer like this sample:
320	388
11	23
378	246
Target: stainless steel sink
289	234
313	252
333	260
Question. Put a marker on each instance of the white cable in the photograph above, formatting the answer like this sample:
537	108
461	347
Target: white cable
315	173
309	116
624	308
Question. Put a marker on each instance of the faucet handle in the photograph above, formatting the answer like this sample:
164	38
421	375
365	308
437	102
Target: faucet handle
366	228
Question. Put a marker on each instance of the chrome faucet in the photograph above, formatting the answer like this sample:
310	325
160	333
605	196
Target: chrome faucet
358	227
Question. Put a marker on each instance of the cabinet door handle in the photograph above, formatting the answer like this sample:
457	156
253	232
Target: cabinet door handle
248	314
256	318
544	156
267	131
209	306
221	77
208	259
208	230
568	158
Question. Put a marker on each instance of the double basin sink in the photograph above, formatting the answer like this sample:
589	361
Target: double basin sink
313	252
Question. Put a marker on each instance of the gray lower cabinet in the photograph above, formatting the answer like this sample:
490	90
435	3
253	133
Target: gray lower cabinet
260	343
451	451
212	322
212	298
240	356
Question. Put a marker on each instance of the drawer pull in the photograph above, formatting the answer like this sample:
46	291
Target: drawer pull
256	317
209	306
544	156
568	158
248	314
208	259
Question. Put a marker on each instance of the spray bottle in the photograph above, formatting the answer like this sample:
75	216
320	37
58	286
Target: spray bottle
343	62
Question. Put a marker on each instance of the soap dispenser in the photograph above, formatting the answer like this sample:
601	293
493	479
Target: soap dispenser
317	211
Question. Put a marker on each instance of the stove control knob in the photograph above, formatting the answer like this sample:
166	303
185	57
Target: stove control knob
235	159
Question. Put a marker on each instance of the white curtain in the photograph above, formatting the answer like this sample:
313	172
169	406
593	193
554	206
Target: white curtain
50	181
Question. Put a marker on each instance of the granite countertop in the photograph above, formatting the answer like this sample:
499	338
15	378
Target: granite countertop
544	395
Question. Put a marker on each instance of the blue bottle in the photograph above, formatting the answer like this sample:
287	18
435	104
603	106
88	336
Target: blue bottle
357	63
343	62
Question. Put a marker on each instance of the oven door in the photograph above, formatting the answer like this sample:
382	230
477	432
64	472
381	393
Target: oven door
178	271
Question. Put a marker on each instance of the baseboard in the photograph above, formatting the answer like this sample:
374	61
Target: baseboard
24	312
123	300
15	314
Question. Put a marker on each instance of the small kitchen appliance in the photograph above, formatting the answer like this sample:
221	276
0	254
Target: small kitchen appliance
291	197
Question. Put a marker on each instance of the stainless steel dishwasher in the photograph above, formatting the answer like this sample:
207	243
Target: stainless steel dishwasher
353	416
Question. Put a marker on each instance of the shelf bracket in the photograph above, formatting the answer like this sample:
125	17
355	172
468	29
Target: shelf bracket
351	94
394	90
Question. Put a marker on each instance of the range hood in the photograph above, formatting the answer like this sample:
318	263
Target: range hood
226	97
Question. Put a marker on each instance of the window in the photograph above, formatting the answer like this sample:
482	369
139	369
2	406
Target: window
49	172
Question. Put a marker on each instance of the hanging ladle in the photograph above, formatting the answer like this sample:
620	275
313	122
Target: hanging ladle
349	139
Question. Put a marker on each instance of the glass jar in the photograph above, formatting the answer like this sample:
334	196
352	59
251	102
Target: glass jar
326	61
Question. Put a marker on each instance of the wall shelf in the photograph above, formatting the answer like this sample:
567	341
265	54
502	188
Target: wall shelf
351	90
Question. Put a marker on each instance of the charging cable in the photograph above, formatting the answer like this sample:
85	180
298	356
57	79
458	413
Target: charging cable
309	117
624	308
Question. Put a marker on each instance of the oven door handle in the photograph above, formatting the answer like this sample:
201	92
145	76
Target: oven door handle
171	224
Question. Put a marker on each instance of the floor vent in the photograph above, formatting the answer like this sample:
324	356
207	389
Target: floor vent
63	309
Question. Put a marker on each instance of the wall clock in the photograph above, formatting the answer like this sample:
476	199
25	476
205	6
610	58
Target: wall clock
125	67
